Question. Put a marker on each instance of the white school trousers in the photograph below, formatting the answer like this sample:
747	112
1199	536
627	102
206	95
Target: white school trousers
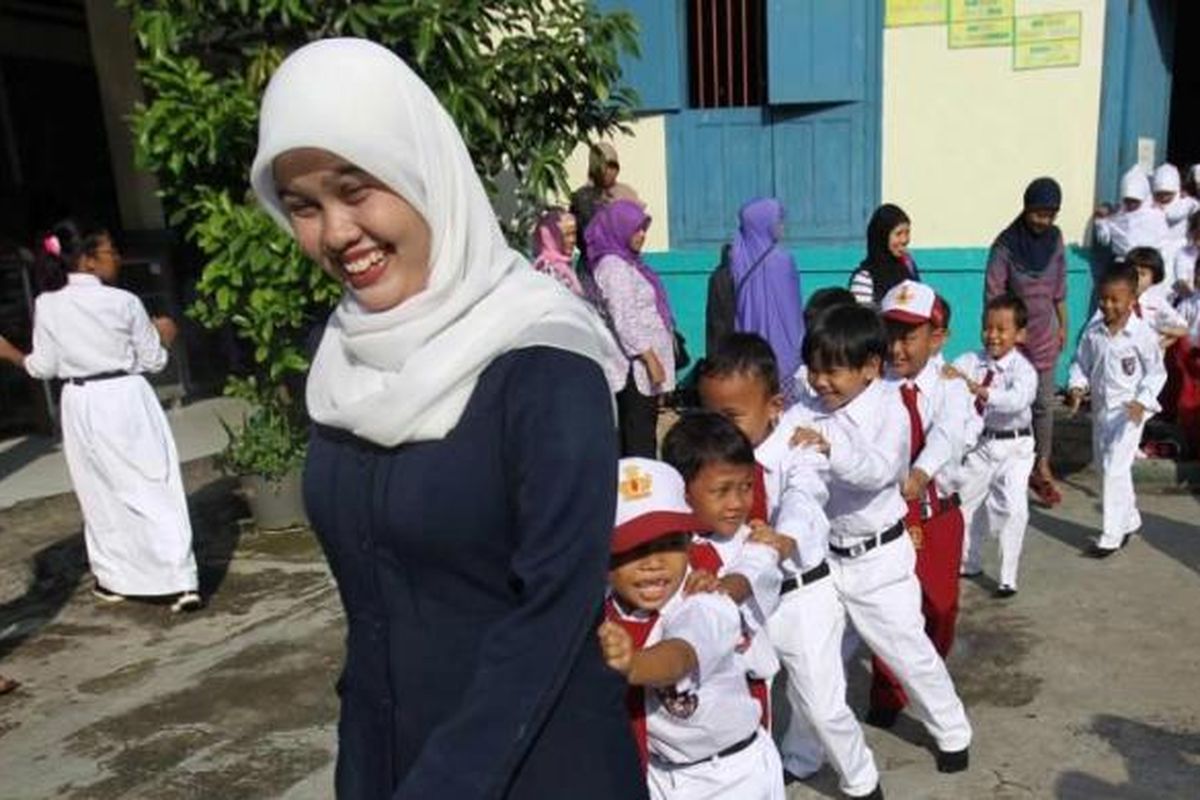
752	774
994	489
1115	440
880	592
125	471
807	630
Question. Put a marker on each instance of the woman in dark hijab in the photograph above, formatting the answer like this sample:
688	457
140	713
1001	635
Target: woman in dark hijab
888	261
1028	259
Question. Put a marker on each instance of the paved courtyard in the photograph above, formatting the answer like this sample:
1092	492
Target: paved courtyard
1085	686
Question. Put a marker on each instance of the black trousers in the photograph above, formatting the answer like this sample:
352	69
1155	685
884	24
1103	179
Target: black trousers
637	416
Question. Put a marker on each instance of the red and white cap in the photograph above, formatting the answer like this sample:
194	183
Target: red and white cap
650	503
914	303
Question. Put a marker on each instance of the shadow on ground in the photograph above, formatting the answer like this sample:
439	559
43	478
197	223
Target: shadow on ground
60	568
24	452
1161	763
1176	540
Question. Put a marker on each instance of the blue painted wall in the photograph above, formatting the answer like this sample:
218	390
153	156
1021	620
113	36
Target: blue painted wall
956	273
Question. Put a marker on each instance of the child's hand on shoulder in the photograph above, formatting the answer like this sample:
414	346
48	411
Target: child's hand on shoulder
915	484
616	645
701	581
761	533
1136	411
950	373
809	437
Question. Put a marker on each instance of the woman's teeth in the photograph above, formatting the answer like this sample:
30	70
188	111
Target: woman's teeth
361	265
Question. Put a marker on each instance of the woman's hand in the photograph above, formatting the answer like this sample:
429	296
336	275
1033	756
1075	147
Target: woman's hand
1074	400
658	375
167	330
9	353
616	645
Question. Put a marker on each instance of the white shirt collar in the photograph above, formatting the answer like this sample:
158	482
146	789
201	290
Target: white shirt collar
82	279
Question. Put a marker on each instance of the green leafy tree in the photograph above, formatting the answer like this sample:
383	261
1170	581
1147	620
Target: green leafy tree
526	81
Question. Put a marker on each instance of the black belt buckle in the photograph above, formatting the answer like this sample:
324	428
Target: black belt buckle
812	576
867	545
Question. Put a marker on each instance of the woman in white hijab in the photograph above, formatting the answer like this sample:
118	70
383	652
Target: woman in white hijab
461	472
1139	223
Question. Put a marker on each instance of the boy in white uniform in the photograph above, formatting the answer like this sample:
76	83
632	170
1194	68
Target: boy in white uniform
701	725
872	560
938	412
1120	362
740	382
994	478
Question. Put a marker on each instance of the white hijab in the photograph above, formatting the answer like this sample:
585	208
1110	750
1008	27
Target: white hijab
406	374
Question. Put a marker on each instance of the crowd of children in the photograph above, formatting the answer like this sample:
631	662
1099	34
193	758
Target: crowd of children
780	531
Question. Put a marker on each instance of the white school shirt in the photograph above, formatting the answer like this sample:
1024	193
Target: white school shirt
1156	309
797	490
948	420
1183	268
86	328
1011	393
759	565
868	460
711	708
1119	368
1144	227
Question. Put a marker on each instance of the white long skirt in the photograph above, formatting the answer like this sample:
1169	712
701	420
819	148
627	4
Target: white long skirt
125	469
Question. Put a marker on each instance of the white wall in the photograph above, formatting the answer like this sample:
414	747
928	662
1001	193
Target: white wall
963	133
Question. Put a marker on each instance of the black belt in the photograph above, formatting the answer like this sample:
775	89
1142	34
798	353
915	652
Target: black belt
988	433
815	574
99	376
867	545
728	751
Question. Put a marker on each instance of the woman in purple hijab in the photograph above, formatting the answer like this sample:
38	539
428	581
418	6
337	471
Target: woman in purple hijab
766	284
641	319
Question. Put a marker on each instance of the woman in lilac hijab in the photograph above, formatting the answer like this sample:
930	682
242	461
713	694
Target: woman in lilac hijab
766	284
641	318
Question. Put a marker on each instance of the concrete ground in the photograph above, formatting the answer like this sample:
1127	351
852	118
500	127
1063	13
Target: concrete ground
1086	686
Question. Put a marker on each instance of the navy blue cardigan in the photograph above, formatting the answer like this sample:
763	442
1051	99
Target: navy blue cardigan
472	571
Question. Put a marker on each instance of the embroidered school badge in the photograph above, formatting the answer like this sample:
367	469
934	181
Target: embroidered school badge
678	704
903	296
636	484
1129	365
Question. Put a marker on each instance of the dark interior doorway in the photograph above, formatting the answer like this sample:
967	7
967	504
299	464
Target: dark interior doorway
1183	136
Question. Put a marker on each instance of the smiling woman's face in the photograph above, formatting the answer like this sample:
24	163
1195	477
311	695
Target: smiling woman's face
361	232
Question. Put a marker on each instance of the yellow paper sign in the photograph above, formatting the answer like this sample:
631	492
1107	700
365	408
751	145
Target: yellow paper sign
1048	27
1043	55
983	33
900	13
975	10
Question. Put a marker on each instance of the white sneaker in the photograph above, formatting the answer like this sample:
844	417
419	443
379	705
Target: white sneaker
187	601
100	593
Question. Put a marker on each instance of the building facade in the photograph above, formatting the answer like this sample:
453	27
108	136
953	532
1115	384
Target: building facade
947	108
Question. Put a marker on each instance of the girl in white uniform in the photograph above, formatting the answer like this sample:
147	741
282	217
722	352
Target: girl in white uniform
98	339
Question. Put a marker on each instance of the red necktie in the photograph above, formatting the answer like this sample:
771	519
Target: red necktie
635	696
987	381
703	556
758	503
908	392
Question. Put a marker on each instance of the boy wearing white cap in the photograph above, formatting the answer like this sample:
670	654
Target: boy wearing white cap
1120	362
994	478
696	720
938	411
1140	223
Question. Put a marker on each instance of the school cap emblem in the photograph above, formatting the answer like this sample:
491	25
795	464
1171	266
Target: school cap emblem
904	296
636	484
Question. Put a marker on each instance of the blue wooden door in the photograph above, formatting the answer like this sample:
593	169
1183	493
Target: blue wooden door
817	50
1136	93
657	72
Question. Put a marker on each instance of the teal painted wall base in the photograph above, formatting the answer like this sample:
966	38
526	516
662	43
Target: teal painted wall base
956	273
